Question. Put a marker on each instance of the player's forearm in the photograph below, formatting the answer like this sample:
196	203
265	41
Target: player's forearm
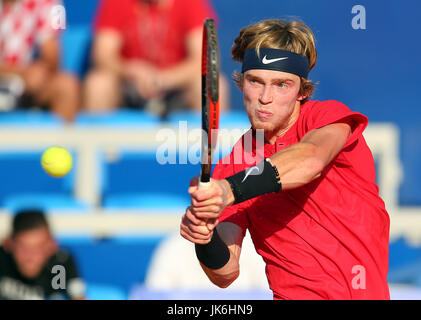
297	165
219	258
290	168
224	276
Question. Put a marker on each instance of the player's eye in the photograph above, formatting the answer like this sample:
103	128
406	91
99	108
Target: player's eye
282	85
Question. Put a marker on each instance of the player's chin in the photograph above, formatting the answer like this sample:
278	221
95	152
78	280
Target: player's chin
259	124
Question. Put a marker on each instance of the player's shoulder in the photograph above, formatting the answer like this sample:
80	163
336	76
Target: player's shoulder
316	109
314	105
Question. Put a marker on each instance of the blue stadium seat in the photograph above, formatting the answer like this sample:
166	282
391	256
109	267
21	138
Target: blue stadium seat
146	201
44	201
228	120
404	263
193	118
75	15
120	261
76	46
401	253
123	117
138	180
25	184
234	119
31	119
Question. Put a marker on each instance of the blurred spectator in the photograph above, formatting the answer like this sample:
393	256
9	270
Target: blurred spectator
147	54
29	49
29	259
173	267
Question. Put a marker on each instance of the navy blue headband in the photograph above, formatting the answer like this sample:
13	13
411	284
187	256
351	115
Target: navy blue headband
276	59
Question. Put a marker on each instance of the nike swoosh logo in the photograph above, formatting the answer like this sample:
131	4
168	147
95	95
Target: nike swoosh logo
250	171
267	61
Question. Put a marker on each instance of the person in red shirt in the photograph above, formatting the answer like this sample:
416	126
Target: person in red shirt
309	197
146	52
26	27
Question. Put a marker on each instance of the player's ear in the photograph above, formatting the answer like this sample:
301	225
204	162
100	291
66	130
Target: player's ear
306	89
303	93
301	97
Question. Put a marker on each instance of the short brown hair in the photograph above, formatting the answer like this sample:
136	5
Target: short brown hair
293	36
29	219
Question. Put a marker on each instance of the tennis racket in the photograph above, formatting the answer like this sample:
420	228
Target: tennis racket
210	100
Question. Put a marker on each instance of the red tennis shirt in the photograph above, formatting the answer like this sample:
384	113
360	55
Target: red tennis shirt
328	239
153	32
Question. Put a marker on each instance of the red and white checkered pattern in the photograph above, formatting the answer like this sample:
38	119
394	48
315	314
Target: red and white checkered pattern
24	25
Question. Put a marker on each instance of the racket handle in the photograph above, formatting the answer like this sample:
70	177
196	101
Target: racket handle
204	185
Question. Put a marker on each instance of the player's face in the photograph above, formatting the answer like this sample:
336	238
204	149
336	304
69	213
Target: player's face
272	100
31	250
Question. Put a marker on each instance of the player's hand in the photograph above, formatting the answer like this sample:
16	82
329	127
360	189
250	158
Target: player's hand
208	203
192	228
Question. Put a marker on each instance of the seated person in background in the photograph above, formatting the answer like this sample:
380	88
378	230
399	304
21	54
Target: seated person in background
27	260
147	54
26	28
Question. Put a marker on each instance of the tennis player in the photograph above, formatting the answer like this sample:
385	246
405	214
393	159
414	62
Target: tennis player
311	204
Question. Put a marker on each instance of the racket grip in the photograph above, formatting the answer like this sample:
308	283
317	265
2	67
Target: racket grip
204	185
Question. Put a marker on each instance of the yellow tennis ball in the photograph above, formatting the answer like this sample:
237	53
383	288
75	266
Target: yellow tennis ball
57	161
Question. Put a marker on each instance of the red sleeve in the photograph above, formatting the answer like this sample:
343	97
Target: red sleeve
323	113
236	214
110	14
194	13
